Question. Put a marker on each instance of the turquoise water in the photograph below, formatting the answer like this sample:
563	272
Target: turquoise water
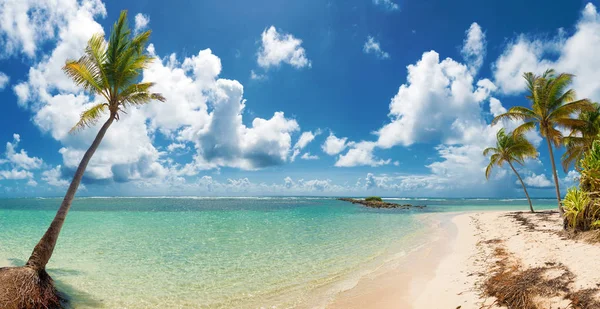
219	252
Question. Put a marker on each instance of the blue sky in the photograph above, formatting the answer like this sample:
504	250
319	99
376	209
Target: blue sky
291	97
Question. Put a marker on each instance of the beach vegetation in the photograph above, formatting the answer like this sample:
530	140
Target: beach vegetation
552	106
110	71
582	205
509	149
374	199
581	138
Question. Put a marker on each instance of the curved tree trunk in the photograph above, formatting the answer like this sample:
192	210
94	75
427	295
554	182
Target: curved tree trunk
523	184
43	250
560	209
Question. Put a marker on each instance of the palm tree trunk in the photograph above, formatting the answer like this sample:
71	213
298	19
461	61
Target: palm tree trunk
560	209
523	184
43	250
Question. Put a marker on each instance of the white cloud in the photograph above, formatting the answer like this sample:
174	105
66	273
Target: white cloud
141	22
21	159
360	154
54	177
4	79
436	94
334	145
26	24
175	146
304	139
308	156
201	109
373	47
573	54
257	76
279	47
387	4
474	47
15	174
571	179
537	181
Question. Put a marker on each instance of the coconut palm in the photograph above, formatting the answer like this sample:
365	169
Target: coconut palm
581	138
552	107
109	71
510	148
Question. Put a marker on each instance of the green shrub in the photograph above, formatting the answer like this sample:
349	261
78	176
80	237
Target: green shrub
590	170
582	206
575	205
373	199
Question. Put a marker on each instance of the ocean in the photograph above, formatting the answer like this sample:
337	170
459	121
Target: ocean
186	252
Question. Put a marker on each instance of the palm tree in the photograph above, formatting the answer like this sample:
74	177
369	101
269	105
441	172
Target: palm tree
110	71
552	107
510	148
581	138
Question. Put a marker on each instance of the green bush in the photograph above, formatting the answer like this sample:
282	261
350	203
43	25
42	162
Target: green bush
373	199
582	206
590	169
575	204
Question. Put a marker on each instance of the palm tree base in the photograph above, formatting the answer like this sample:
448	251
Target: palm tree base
27	288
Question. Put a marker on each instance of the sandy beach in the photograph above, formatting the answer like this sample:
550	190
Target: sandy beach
454	272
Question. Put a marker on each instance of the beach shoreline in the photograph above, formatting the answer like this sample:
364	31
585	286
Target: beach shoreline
452	271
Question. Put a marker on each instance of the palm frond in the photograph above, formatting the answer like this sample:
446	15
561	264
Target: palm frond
567	110
90	117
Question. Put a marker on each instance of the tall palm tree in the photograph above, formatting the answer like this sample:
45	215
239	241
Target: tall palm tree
510	148
581	138
552	107
110	71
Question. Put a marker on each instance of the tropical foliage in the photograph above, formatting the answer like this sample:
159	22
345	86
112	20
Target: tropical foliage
582	205
510	148
581	137
552	107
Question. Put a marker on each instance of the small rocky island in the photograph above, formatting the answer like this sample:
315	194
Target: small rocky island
377	202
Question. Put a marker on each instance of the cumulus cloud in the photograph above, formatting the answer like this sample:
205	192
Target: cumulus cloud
15	174
18	164
439	91
474	47
54	177
387	4
21	159
278	47
141	22
334	145
202	110
373	47
537	181
573	54
26	24
571	179
360	154
4	79
206	110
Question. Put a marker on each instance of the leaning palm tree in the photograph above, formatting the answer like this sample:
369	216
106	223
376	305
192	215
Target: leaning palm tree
552	107
510	148
110	71
581	138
